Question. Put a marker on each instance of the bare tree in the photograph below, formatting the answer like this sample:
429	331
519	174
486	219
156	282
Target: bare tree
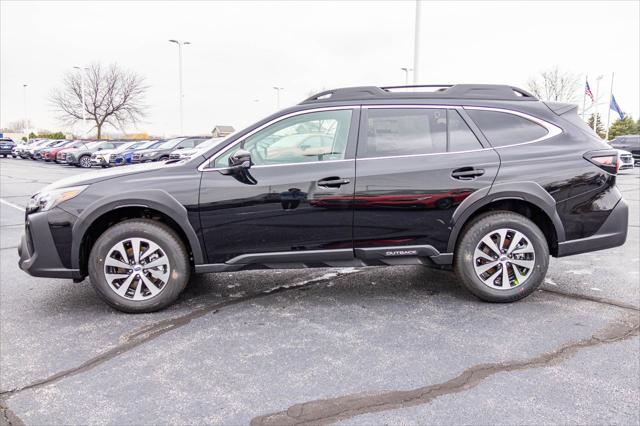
113	96
555	85
17	126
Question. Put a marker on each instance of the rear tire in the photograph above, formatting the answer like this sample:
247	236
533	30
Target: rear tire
509	232
159	288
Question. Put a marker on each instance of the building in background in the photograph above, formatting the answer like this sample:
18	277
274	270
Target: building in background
222	131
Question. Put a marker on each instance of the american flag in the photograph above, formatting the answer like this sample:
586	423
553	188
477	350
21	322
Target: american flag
587	91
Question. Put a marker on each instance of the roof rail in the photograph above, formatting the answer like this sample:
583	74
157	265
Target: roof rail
443	91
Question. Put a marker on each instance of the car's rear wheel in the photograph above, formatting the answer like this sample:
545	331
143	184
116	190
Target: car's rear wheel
139	266
501	257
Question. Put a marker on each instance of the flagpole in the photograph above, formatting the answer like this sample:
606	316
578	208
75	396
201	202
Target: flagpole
595	105
584	95
609	109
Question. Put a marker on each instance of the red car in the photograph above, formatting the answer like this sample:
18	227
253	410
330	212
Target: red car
49	154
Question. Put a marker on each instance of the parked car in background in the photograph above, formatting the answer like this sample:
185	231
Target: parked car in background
50	154
22	147
625	160
124	156
45	153
7	146
81	156
101	157
162	151
630	143
33	151
186	153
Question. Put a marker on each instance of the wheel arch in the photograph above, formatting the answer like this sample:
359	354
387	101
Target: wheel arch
104	212
526	198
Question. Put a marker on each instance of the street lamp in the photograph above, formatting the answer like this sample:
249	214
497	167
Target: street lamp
84	115
416	44
180	44
406	75
278	89
24	107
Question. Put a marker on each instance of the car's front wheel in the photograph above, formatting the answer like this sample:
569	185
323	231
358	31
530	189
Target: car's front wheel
501	257
139	265
84	162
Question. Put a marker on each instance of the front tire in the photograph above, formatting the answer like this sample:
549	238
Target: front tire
139	266
501	256
85	162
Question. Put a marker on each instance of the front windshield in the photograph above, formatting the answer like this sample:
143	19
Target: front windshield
125	146
209	143
170	143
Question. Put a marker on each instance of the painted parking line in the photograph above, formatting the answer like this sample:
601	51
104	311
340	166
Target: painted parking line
10	204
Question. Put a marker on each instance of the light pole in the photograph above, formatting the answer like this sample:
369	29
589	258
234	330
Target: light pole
24	108
278	89
180	44
84	114
406	75
595	108
416	44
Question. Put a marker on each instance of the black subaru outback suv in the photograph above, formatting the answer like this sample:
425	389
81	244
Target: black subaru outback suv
485	179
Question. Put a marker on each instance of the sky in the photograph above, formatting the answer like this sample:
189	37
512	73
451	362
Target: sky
240	50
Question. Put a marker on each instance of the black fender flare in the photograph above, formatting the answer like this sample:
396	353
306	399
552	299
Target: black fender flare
155	199
530	192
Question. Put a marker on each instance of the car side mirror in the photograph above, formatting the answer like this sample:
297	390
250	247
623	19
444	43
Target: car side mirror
239	161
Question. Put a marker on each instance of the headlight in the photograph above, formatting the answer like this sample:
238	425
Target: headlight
44	201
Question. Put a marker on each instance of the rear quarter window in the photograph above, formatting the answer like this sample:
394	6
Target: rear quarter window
502	128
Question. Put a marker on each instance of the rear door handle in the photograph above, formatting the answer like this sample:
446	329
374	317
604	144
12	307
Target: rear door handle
466	173
333	182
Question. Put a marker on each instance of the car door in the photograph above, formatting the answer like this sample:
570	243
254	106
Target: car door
415	165
294	203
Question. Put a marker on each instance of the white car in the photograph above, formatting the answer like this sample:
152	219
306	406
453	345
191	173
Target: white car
186	153
625	160
102	158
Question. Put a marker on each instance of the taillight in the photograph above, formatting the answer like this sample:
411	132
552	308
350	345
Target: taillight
607	160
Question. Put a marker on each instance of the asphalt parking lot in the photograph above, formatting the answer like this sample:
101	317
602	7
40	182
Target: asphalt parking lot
401	345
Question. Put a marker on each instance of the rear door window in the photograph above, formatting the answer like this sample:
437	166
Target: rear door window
461	138
404	131
503	128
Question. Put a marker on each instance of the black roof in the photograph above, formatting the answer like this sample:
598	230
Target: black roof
437	91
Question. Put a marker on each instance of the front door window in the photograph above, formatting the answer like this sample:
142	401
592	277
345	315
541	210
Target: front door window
316	136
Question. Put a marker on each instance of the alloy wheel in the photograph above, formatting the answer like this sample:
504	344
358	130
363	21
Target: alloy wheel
504	259
137	269
85	162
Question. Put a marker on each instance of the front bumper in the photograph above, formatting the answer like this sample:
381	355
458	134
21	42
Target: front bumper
6	151
39	256
612	233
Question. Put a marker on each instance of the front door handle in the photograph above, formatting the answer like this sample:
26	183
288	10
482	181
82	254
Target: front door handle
333	182
466	173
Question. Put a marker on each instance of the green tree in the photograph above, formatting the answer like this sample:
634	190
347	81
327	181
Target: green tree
599	128
626	126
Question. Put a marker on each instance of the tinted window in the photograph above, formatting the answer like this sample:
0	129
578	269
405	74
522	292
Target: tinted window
404	131
461	138
317	136
502	128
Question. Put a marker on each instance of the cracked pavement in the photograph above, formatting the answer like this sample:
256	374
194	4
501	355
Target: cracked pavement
401	345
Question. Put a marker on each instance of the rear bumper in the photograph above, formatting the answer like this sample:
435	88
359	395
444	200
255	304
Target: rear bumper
39	256
612	233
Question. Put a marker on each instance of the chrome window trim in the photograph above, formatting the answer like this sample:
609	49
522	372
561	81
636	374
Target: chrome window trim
552	129
203	167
